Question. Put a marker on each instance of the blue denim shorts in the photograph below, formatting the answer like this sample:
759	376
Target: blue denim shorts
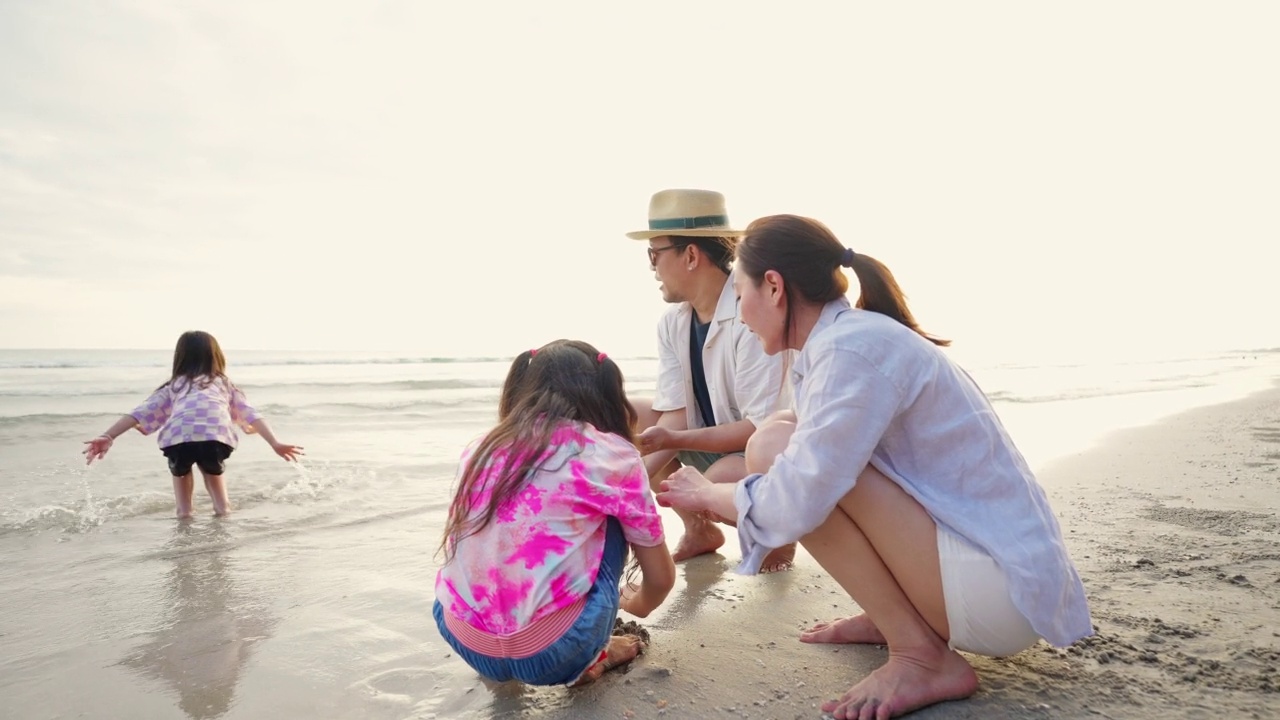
579	648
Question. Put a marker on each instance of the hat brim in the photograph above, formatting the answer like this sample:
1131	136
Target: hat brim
686	232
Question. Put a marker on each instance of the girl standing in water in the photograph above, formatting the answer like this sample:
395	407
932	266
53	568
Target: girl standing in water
196	411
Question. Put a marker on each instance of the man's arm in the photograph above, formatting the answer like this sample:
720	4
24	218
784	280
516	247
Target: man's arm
727	438
657	458
668	437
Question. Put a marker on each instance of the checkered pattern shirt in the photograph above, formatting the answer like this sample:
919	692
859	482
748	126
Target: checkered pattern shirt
195	411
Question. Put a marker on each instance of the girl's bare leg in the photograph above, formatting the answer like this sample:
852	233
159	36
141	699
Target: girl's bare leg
881	546
183	487
217	493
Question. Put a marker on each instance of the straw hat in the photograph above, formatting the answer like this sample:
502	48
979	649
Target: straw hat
687	213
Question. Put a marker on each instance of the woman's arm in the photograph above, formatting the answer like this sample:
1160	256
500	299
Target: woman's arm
687	489
658	576
843	412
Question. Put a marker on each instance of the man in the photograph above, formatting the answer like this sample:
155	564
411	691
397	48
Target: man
715	382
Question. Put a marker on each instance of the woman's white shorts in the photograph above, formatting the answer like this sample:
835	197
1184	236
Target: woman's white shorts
981	613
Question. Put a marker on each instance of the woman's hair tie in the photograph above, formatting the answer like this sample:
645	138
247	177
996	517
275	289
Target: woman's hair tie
846	260
600	358
533	352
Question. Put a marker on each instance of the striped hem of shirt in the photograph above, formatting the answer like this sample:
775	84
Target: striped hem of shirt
523	643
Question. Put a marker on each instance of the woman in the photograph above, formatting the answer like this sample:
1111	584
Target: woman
895	474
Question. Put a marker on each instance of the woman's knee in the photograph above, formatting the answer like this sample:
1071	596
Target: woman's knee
786	416
769	440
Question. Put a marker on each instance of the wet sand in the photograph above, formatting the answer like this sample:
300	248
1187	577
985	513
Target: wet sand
1175	528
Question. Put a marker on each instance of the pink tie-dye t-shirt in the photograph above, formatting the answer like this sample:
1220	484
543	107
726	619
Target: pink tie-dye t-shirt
195	411
543	549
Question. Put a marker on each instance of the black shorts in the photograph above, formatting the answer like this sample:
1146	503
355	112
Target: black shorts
209	455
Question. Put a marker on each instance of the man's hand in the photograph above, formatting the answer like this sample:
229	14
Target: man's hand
654	439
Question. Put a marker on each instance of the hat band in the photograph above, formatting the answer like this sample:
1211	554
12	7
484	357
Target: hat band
689	223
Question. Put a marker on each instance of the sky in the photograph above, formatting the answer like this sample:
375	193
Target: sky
1044	179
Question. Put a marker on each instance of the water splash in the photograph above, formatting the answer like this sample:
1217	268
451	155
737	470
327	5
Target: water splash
89	512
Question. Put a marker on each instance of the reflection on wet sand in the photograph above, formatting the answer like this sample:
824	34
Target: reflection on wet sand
703	583
210	625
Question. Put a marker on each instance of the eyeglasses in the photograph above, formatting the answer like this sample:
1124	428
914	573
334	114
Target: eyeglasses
653	253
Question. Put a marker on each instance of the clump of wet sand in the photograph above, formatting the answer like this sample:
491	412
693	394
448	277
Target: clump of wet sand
631	627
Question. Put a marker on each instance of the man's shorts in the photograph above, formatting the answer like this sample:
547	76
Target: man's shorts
208	455
700	460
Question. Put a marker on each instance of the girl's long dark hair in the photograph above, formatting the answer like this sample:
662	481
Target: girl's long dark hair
808	257
198	354
563	381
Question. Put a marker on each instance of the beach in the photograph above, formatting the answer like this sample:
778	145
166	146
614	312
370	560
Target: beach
1174	528
313	599
374	207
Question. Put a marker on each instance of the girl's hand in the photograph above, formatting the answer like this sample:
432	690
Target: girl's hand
628	599
653	439
287	451
97	447
683	490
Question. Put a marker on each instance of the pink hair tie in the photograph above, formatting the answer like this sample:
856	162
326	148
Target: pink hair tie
533	352
600	358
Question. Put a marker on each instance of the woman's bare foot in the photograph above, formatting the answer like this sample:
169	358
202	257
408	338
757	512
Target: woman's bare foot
779	559
621	650
856	629
905	684
700	537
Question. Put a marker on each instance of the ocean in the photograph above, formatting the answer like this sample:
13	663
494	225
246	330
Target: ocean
313	598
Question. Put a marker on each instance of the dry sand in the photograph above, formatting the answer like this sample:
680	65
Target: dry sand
1176	532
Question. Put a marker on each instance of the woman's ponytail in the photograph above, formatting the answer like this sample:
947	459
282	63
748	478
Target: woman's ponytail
879	292
808	257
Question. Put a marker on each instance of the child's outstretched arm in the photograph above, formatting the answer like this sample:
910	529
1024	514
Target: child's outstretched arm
658	576
101	444
284	450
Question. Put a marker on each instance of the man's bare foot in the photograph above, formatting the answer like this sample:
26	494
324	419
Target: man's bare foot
621	650
700	537
779	559
905	684
856	629
184	515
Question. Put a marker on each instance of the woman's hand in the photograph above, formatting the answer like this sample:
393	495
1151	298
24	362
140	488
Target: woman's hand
287	451
653	439
685	490
97	447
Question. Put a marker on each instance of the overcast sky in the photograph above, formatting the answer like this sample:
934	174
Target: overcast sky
1086	177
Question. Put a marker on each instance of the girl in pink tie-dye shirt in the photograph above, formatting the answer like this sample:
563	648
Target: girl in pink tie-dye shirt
545	508
197	412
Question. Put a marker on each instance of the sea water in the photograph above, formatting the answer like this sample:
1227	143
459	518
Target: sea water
313	598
